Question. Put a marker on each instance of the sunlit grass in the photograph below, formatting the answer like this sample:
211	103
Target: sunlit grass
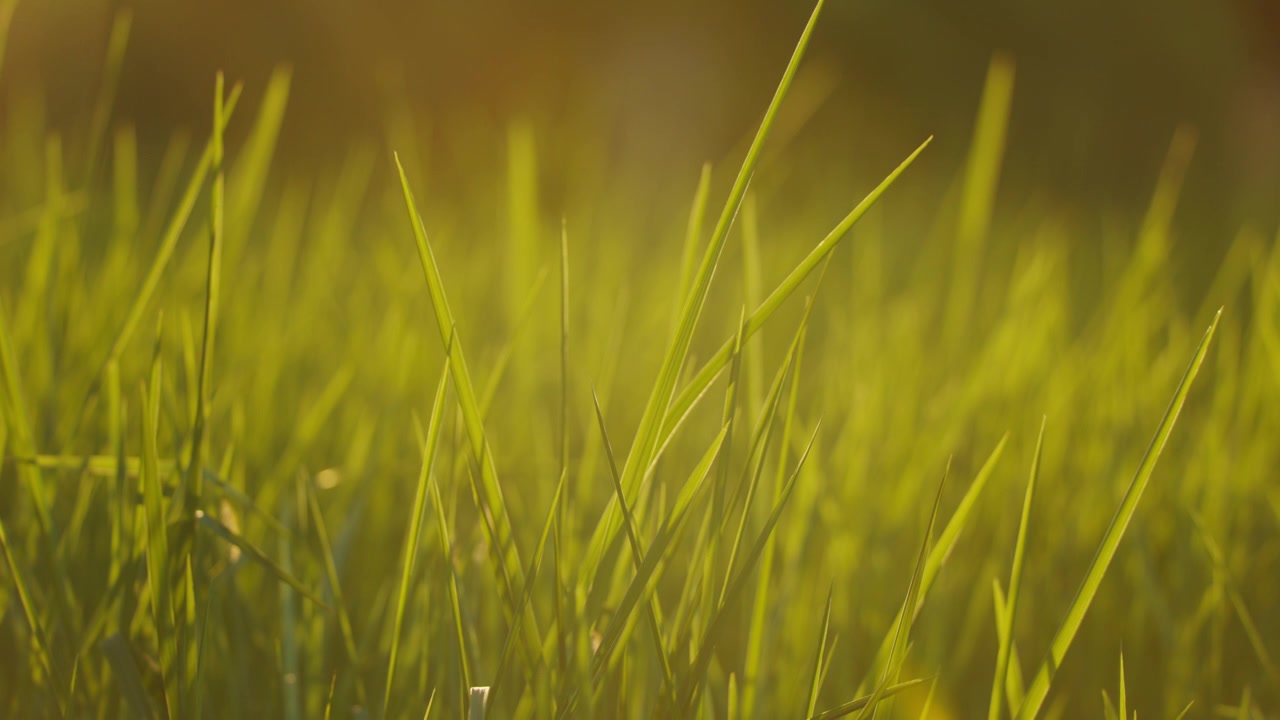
699	478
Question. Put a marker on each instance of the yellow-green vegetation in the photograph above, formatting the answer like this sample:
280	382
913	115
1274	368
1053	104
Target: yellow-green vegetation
277	445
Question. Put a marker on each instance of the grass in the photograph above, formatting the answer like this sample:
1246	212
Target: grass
697	479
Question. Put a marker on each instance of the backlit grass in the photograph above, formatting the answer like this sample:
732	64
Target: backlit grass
279	445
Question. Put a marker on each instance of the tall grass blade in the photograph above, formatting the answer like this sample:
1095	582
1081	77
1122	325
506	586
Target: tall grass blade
815	681
473	419
659	402
902	636
1039	687
413	539
1010	610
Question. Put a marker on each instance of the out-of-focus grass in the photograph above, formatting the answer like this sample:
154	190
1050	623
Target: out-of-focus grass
241	528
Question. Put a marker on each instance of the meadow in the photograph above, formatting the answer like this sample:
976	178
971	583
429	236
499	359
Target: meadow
279	443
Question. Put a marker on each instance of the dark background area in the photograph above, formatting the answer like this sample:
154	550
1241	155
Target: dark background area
663	85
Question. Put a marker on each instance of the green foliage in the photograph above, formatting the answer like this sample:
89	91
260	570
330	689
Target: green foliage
247	519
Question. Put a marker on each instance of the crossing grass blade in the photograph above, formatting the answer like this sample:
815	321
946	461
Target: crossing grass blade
1039	687
942	550
656	408
694	679
712	368
1009	612
859	704
490	488
557	506
653	611
642	582
902	635
413	538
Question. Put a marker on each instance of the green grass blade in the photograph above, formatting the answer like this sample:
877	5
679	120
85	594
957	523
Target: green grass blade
213	292
557	506
903	633
656	408
1039	687
982	175
862	703
28	611
1010	610
173	233
942	549
696	676
257	555
331	575
815	681
653	612
472	416
413	539
1185	711
711	369
693	232
455	606
641	583
156	539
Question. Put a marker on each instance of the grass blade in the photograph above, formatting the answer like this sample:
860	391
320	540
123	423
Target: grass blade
271	566
657	407
1039	687
942	549
414	537
756	320
1009	613
903	633
862	703
815	682
697	673
472	416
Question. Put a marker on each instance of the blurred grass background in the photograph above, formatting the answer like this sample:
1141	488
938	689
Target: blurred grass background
1136	188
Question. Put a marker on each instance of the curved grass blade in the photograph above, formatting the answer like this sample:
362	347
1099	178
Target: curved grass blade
1010	609
861	703
1039	687
414	538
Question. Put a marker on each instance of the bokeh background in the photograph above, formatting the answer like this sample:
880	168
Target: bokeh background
664	85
